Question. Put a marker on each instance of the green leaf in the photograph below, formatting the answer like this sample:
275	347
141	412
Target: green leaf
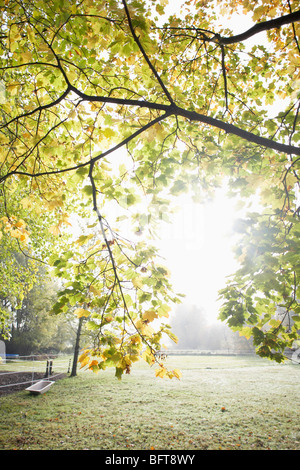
119	373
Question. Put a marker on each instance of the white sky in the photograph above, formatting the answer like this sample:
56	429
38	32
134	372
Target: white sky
198	251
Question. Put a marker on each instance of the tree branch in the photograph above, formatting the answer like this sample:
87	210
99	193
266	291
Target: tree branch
259	27
231	129
117	281
38	109
170	110
93	160
175	110
121	101
166	92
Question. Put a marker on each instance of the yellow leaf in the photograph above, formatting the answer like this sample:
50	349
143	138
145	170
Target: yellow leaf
134	358
13	88
83	355
108	132
15	233
14	37
72	114
247	332
139	323
149	315
126	360
92	364
14	33
54	229
154	132
54	203
26	202
81	312
24	237
108	318
21	223
273	12
295	60
147	330
84	362
26	57
161	372
148	357
30	34
137	282
143	327
94	291
135	339
177	373
173	337
43	47
164	310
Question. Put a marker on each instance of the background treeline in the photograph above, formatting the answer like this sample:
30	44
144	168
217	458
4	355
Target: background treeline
194	331
33	331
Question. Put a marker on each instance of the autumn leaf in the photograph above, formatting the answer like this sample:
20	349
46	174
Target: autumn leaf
137	282
149	315
161	372
81	312
163	310
148	357
84	362
83	355
177	373
55	230
93	366
94	290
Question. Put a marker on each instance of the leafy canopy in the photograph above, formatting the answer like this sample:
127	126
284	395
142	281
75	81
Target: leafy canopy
189	103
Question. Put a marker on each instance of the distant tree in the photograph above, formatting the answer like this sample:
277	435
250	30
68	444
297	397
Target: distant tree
189	325
194	331
77	347
23	251
17	276
32	330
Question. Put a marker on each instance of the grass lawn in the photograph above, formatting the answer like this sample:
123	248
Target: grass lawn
219	403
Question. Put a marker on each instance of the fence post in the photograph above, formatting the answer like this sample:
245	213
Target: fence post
32	372
47	369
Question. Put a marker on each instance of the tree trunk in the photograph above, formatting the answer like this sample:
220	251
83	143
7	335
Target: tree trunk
76	350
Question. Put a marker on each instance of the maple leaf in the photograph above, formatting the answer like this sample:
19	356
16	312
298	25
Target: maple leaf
149	315
81	312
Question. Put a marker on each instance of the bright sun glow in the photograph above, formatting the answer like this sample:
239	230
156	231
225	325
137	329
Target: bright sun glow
197	248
